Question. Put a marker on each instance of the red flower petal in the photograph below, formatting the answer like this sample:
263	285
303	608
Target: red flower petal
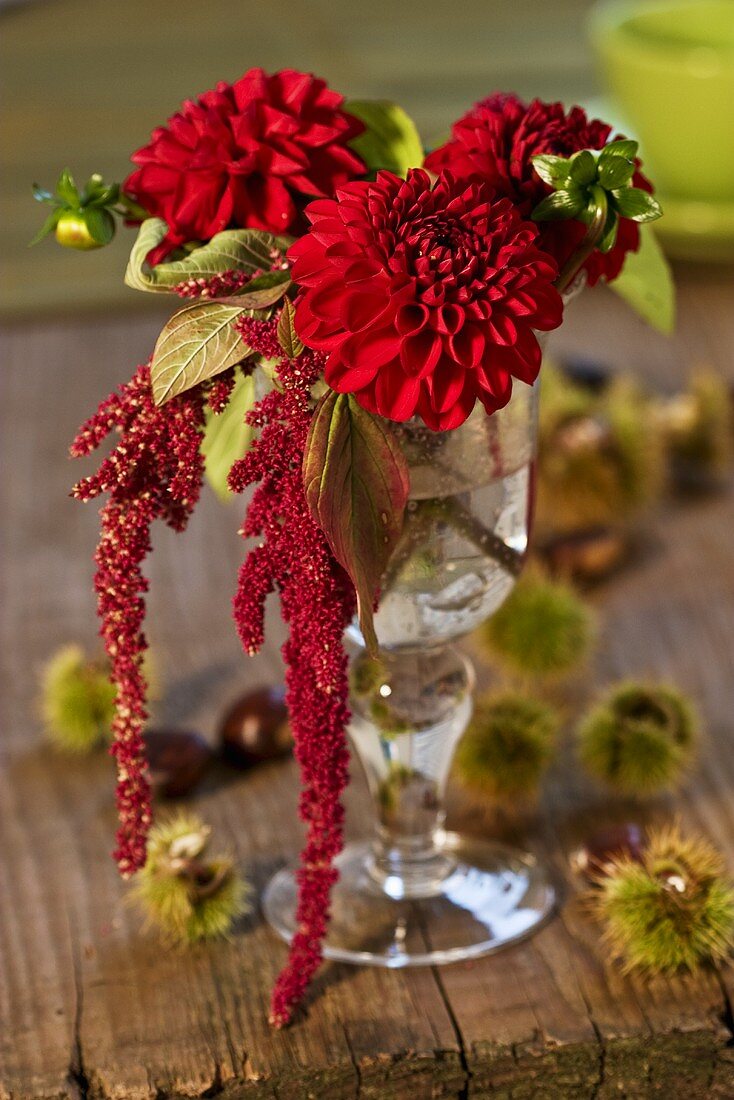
396	394
420	353
247	154
496	141
424	296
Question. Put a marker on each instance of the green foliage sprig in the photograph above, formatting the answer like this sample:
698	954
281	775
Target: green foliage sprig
672	911
639	739
186	893
595	187
507	746
83	219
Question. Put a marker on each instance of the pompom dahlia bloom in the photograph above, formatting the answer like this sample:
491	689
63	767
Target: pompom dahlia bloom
496	141
425	298
248	154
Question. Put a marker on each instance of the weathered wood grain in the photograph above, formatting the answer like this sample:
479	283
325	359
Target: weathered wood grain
90	1004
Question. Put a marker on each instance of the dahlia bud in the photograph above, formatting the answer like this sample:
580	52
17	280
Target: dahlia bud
73	231
82	220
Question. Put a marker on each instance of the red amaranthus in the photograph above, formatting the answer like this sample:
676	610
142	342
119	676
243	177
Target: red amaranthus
317	602
155	472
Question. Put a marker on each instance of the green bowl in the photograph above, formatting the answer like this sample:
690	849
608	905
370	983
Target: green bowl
669	66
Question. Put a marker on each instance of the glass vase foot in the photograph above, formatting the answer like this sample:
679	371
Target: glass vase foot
484	897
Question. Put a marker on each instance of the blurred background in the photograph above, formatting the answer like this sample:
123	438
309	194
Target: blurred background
83	84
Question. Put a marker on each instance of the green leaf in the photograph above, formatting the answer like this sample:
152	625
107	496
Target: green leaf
41	195
107	196
559	205
288	338
195	344
100	223
259	293
66	189
233	250
583	167
48	226
634	203
552	170
227	436
622	148
94	186
391	139
616	172
357	481
646	283
609	236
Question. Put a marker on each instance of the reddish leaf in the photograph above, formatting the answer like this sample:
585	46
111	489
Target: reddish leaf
288	338
357	481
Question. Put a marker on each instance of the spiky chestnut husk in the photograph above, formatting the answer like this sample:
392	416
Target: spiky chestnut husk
672	911
77	700
600	457
542	630
507	746
184	892
639	739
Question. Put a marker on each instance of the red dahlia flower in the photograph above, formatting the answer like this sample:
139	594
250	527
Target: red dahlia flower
424	298
246	154
496	141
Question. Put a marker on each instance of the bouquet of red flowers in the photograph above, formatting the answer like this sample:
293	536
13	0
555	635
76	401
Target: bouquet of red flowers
358	282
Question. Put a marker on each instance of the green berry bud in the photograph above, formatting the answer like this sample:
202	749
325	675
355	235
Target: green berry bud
73	231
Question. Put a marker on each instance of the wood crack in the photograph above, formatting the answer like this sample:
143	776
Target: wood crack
464	1092
727	1014
78	1078
355	1063
601	1042
601	1081
217	1085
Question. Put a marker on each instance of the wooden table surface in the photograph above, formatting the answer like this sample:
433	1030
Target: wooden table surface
91	1005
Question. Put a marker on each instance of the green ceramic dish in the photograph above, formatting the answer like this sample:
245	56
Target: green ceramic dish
669	66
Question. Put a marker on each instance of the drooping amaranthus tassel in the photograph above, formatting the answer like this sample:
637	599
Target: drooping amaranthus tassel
155	472
317	602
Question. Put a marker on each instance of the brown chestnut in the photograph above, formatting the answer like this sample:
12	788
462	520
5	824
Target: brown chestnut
604	846
177	760
255	728
589	554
